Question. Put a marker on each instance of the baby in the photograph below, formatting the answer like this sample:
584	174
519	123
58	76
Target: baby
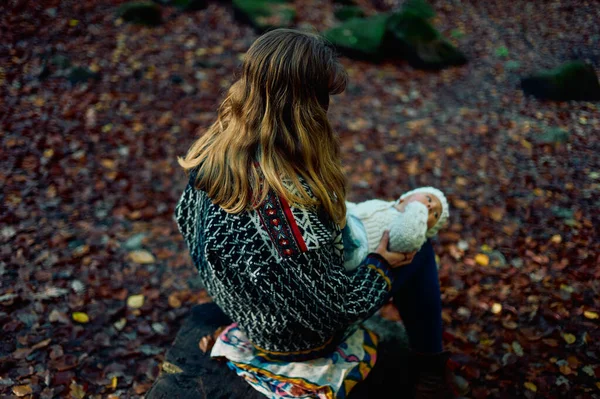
414	217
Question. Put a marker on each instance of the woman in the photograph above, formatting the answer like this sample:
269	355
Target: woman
262	216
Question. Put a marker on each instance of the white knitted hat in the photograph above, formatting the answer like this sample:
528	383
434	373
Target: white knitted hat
445	208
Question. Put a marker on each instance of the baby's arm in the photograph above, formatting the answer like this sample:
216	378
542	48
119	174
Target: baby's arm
408	229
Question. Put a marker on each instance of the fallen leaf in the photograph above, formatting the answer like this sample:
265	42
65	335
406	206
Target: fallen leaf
569	338
76	391
174	301
482	259
80	317
510	324
142	257
22	390
496	308
588	314
135	301
530	386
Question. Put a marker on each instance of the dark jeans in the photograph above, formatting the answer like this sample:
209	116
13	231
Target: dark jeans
416	294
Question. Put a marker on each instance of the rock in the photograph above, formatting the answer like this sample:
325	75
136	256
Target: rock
574	80
410	36
135	241
406	34
143	13
265	14
82	75
60	61
345	2
348	12
360	37
190	5
553	135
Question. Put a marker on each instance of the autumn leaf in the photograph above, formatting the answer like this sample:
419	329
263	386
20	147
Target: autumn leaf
588	314
482	259
530	386
76	391
569	338
22	390
142	257
496	308
135	301
80	317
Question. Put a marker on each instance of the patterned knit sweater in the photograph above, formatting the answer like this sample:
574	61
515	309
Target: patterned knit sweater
278	272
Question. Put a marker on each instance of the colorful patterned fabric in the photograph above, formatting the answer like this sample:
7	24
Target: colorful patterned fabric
328	377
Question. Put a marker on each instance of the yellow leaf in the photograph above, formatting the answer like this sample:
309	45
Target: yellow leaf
569	338
482	259
113	383
538	192
138	127
598	385
142	257
135	301
486	248
48	153
557	239
107	128
461	181
588	314
531	386
108	163
76	391
73	23
526	144
496	308
461	204
80	317
21	390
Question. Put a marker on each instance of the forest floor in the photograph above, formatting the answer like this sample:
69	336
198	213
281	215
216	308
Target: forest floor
95	278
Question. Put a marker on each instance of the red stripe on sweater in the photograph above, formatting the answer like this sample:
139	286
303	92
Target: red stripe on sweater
292	221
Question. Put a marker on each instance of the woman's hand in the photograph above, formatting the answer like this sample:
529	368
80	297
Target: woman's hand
394	259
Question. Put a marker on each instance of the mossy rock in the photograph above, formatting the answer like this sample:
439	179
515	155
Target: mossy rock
553	136
190	5
143	13
574	80
410	36
346	13
360	37
345	2
265	14
82	75
418	8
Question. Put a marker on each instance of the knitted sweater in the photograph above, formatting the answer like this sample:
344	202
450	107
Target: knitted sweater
278	272
368	220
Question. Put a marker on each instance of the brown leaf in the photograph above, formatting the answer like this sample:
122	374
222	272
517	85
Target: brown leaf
174	301
206	343
22	390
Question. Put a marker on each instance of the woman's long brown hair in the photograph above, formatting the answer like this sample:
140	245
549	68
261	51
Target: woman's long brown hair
272	127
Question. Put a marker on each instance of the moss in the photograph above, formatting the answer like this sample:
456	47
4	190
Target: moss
143	13
190	5
348	12
265	14
574	80
360	37
412	37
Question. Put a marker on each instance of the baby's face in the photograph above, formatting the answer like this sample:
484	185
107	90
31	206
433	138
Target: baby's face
432	203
